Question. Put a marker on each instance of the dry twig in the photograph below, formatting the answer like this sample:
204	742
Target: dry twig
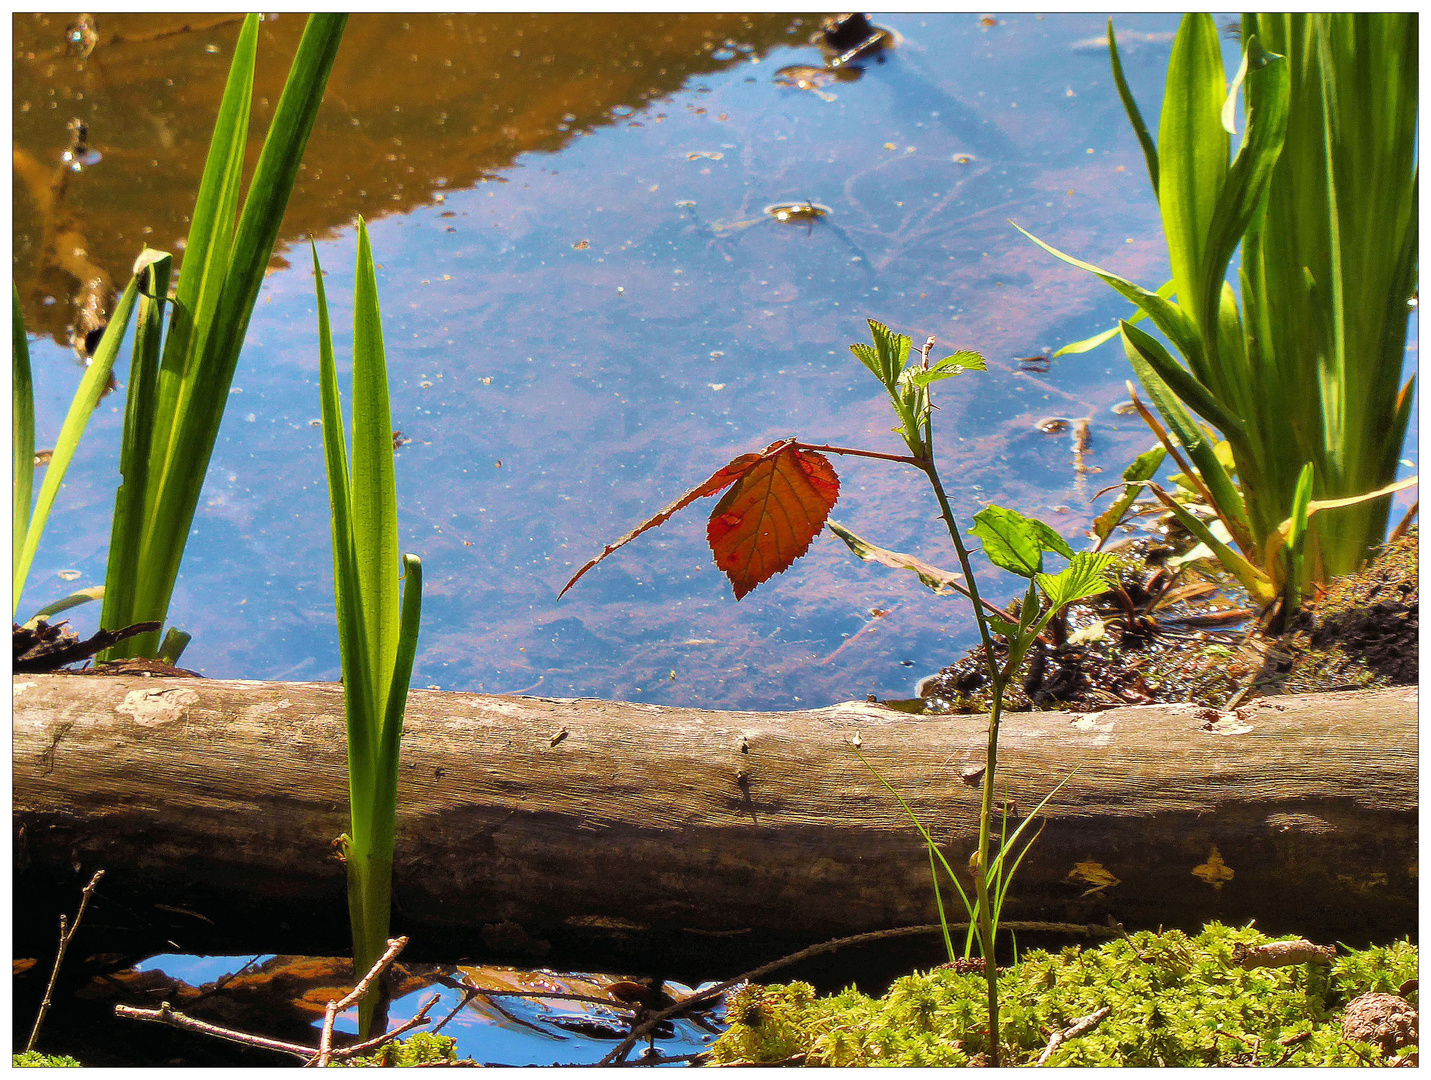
325	1042
1079	1027
324	1054
67	933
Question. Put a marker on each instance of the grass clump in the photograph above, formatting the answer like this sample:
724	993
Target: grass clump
1175	1001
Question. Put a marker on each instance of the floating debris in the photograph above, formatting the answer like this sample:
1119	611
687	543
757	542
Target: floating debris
1124	408
815	79
798	211
1054	425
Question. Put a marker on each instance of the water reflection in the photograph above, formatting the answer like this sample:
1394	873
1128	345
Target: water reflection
573	347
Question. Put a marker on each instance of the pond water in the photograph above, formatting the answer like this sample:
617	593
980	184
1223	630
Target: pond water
588	311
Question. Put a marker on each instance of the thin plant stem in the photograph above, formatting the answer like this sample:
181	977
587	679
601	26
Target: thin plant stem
67	933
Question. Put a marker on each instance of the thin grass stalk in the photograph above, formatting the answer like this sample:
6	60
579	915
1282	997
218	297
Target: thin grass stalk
207	361
22	429
87	396
127	523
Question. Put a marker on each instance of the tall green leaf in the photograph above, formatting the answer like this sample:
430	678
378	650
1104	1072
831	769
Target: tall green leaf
87	396
22	428
218	283
1192	154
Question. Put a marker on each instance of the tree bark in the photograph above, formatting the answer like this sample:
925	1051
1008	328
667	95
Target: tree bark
596	831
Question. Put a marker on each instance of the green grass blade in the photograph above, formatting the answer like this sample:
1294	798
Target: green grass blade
22	430
1182	383
939	904
1192	154
972	909
1089	344
1257	584
127	525
74	599
402	671
173	645
86	397
359	705
374	490
1143	352
206	250
1268	98
1167	316
187	460
1150	152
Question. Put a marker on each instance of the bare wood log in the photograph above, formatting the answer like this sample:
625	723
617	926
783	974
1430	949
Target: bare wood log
213	806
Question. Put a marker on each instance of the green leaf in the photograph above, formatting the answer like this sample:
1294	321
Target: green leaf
1015	542
74	599
940	582
173	646
1150	153
893	351
1192	154
1084	576
1144	467
1143	352
126	535
1089	344
87	396
1166	315
1257	584
196	375
947	368
1002	626
22	428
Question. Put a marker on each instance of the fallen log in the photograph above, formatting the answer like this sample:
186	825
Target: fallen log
608	831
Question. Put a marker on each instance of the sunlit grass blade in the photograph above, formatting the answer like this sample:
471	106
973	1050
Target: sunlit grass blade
206	249
1089	344
22	429
929	840
1130	106
378	615
374	486
126	534
74	599
1192	155
1257	584
86	397
1167	316
1224	495
218	292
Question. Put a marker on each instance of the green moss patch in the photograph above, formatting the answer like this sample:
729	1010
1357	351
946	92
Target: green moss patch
1174	1000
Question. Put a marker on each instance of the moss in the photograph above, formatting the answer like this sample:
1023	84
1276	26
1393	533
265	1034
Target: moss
420	1049
32	1059
1175	1001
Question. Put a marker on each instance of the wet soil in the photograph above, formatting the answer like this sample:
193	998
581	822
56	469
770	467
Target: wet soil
1141	643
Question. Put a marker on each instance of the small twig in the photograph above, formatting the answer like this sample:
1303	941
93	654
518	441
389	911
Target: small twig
618	1055
165	1014
826	448
325	1043
67	934
380	1040
1079	1027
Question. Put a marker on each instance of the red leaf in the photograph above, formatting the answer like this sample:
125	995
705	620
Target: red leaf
721	479
768	519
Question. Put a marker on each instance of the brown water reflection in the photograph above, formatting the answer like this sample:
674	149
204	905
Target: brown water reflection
460	98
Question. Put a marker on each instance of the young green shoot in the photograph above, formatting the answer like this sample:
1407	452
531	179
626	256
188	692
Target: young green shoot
377	614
